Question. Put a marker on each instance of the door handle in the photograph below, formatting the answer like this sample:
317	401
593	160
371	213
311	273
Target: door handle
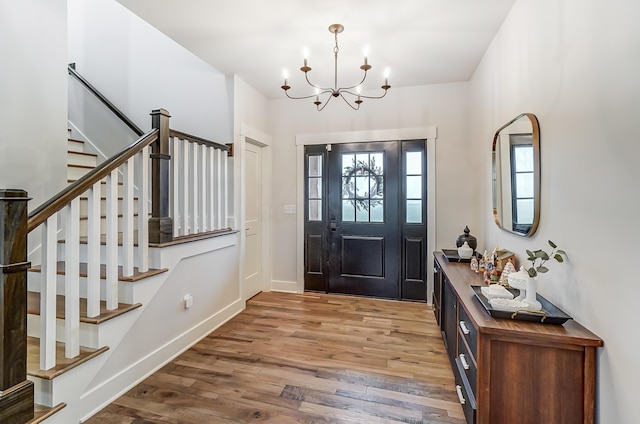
333	226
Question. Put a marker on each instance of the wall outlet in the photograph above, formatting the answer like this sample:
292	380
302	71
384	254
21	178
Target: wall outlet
188	301
290	209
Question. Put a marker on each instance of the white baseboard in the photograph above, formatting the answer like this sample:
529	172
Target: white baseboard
284	286
100	396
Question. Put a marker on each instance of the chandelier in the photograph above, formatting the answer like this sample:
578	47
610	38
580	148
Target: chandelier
341	92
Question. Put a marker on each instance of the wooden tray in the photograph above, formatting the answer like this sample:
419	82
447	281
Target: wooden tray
549	314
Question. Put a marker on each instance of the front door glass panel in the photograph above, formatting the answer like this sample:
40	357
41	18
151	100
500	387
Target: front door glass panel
363	195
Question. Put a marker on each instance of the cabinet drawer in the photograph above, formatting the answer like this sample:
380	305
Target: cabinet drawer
468	330
465	396
468	363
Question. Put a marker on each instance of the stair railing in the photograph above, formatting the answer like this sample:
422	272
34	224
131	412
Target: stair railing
199	184
191	189
64	208
71	68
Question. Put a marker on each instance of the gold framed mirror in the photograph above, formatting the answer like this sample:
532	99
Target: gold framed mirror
516	175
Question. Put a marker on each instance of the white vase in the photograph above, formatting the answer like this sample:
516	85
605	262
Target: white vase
465	251
531	298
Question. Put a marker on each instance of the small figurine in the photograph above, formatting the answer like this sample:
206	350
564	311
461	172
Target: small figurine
474	264
504	277
495	275
482	262
489	266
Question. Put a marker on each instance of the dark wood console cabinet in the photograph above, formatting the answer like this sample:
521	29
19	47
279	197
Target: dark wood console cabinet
510	371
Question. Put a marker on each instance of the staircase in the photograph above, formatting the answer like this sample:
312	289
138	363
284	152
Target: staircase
132	264
96	332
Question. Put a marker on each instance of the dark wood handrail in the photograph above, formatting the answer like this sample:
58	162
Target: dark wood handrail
57	202
104	100
196	139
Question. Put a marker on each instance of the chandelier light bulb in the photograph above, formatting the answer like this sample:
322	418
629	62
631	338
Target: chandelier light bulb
285	75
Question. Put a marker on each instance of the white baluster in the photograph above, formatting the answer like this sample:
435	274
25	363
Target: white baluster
112	241
211	189
93	251
204	192
48	294
72	280
219	190
203	188
143	210
195	165
175	184
186	228
225	186
127	218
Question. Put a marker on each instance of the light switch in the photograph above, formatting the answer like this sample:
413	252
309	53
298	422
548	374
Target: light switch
290	209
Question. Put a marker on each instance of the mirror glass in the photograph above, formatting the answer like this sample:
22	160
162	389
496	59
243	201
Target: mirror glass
516	175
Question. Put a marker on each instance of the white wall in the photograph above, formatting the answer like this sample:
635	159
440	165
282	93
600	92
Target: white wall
442	106
140	69
575	64
33	96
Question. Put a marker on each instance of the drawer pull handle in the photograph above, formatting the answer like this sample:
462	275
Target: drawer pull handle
460	395
464	362
465	329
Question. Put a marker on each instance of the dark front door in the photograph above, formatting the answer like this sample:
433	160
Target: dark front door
365	228
363	219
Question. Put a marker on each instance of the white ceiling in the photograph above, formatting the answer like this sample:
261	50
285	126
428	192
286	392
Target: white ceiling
420	41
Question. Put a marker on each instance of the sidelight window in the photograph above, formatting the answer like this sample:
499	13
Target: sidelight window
413	183
314	178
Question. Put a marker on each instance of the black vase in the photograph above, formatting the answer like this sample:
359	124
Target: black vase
471	240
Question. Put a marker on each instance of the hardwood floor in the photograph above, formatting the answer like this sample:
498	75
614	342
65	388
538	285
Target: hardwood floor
311	358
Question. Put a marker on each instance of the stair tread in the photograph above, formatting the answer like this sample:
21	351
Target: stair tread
62	364
75	152
137	275
33	308
73	165
41	412
75	139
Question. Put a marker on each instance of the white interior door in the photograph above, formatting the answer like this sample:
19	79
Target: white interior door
253	221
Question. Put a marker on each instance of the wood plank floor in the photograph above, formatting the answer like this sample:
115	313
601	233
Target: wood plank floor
310	358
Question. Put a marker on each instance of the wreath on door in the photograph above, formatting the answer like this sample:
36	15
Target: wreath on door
368	198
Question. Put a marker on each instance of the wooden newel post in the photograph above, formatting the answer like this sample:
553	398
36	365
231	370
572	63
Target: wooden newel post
160	223
16	392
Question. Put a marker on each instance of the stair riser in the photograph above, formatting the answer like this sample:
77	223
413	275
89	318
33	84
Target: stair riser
125	292
77	158
84	206
75	145
103	254
89	333
75	172
84	224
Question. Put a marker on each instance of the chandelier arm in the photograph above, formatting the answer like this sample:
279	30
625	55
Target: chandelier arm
324	105
363	96
347	102
323	89
373	97
307	97
354	86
